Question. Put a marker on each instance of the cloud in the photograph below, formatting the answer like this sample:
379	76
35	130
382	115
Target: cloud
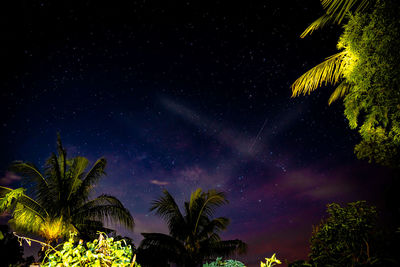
9	178
160	183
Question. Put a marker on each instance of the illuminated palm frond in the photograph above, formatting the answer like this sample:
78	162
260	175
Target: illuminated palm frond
25	220
336	11
20	198
319	23
328	72
339	92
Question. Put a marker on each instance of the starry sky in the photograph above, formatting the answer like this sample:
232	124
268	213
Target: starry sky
181	95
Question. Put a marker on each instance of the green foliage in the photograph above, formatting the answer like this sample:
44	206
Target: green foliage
61	199
366	73
104	251
194	235
336	11
10	198
269	262
346	237
373	102
227	263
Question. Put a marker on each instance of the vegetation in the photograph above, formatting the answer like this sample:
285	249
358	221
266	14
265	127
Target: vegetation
336	11
344	239
365	73
193	235
103	251
269	262
227	263
59	201
350	236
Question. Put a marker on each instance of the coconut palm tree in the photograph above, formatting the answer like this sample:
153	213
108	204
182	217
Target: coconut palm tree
193	236
60	198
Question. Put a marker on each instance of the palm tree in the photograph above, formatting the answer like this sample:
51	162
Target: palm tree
193	236
60	198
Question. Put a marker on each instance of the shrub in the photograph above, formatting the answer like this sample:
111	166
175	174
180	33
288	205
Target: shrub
227	263
103	251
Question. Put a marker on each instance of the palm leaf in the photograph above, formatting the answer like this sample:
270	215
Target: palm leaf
214	226
93	176
329	71
206	205
62	157
336	11
168	210
28	203
77	169
339	8
32	176
25	220
104	207
339	92
54	177
319	23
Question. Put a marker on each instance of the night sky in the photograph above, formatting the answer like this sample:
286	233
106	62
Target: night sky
181	95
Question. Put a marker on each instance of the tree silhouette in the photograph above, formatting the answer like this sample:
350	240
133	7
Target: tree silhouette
193	236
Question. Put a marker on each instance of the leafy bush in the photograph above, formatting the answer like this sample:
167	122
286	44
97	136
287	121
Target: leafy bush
103	251
227	263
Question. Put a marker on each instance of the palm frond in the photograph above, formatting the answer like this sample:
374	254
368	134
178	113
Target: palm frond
25	220
339	92
319	23
194	197
214	226
62	157
335	12
32	176
339	8
206	205
104	207
93	176
54	177
168	210
76	172
28	203
329	71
